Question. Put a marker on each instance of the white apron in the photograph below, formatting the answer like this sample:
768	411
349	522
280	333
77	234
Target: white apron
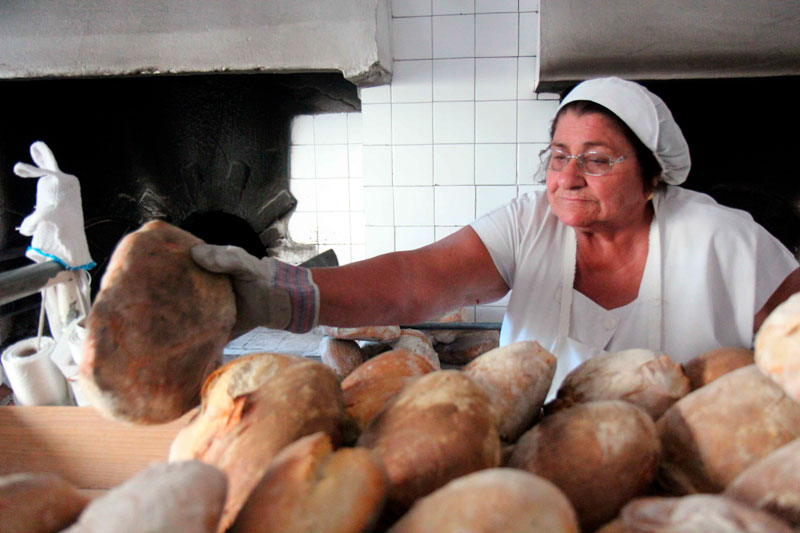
569	351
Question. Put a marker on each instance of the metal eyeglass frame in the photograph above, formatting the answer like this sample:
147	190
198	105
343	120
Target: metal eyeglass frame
579	158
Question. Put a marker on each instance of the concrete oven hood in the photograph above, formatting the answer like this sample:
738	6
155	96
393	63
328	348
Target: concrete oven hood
40	38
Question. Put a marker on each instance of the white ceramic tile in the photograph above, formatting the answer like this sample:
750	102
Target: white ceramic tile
413	206
453	36
354	130
412	124
379	240
535	117
333	194
496	122
469	314
303	227
489	313
377	165
305	191
377	123
495	6
302	129
412	165
548	96
379	206
444	231
411	238
529	5
356	194
330	128
454	164
528	161
453	79
412	81
496	78
411	8
528	34
355	160
453	122
489	197
357	225
333	228
411	38
453	7
526	78
342	251
378	94
496	35
357	252
455	206
302	163
496	164
331	160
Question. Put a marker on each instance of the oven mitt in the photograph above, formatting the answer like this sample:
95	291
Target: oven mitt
269	292
56	223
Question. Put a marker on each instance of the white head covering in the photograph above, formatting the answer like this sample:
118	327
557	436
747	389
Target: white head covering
646	115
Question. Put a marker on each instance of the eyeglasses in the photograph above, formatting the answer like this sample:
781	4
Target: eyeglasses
591	163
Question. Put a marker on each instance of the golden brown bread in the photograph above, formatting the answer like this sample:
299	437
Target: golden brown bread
600	454
157	328
312	488
343	356
489	501
516	379
38	503
772	484
437	428
710	365
646	379
370	386
365	333
467	346
777	345
712	434
419	343
252	407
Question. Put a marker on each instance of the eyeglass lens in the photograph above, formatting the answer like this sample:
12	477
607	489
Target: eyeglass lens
592	163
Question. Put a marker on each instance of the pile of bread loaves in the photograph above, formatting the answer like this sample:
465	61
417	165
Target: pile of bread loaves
390	441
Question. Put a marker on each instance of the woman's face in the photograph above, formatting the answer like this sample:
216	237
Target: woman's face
595	203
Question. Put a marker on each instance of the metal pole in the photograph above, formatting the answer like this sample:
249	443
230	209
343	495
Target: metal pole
21	282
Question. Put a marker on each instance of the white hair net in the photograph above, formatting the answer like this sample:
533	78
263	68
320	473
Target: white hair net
646	115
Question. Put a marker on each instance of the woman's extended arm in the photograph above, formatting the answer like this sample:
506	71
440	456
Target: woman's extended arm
412	286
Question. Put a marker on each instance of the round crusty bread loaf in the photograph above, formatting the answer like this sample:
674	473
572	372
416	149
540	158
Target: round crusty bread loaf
364	333
370	386
491	500
714	433
641	377
467	345
419	343
162	498
38	503
312	488
157	328
777	345
516	377
710	365
252	407
343	356
709	513
772	484
437	428
600	454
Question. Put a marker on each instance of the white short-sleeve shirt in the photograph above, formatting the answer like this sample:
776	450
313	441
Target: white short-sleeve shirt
718	268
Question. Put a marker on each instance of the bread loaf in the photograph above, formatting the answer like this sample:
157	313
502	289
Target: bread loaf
312	488
489	501
772	484
516	379
710	365
648	380
366	333
438	427
252	407
777	345
714	433
447	336
417	342
38	503
369	387
467	346
600	454
157	328
163	498
343	356
696	513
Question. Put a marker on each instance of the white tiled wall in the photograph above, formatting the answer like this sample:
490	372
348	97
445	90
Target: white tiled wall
455	135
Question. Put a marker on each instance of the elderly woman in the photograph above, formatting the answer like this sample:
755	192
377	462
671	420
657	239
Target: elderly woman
613	255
